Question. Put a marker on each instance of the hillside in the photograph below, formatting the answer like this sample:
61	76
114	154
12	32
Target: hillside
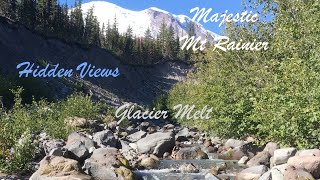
139	84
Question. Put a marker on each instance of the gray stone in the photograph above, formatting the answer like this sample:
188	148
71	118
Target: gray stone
136	136
281	156
271	147
49	145
77	136
266	176
234	143
252	173
308	152
190	153
59	152
78	151
310	163
182	135
105	138
157	143
59	168
262	158
243	160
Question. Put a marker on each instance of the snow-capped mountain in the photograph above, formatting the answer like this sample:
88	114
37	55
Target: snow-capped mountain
140	21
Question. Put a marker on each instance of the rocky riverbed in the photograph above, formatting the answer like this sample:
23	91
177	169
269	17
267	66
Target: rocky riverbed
159	150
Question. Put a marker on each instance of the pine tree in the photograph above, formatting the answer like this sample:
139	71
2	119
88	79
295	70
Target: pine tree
27	13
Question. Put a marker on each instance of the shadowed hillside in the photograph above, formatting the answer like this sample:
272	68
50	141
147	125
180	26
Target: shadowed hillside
135	84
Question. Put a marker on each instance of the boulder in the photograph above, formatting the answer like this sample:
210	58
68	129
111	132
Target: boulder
243	160
252	173
234	143
271	147
108	163
308	152
281	156
190	153
149	162
262	158
59	168
157	143
291	173
266	176
310	163
106	139
233	154
49	145
78	151
189	168
136	136
182	135
77	136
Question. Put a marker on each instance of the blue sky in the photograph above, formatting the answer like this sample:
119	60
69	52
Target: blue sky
180	7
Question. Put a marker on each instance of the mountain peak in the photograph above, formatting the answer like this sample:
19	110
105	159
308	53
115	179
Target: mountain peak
140	21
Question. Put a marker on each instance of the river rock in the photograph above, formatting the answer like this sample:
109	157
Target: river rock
291	173
234	143
108	163
182	135
243	160
149	162
271	147
232	154
252	173
49	145
78	151
136	136
156	143
262	158
59	168
77	136
281	156
308	152
106	138
189	168
190	153
266	176
310	163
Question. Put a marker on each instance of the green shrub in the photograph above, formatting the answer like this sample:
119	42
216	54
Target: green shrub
273	95
24	120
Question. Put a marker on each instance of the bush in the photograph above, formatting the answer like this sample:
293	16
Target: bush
19	125
272	95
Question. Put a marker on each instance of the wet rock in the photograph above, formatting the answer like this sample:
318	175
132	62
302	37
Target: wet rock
271	147
105	138
309	152
210	176
49	145
157	143
234	143
262	158
189	168
252	173
136	136
190	153
149	162
291	173
310	163
56	167
281	156
243	160
76	122
108	163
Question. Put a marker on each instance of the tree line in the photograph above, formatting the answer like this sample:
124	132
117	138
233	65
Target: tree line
55	20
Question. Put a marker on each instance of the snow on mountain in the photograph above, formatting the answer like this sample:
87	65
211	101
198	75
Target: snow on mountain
140	21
